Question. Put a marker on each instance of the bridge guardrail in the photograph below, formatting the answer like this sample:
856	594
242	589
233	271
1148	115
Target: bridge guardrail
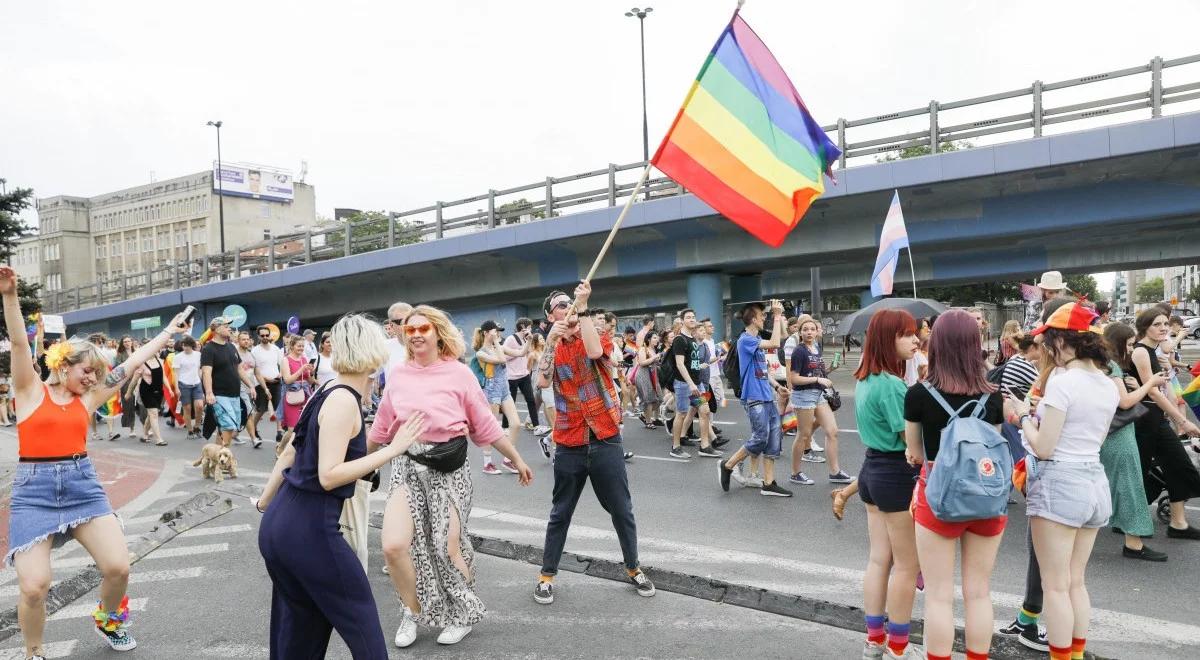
602	187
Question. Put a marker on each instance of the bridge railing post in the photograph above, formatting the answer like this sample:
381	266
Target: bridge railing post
841	129
349	242
271	253
549	196
1037	108
391	236
237	264
933	127
612	184
175	274
205	270
438	226
308	247
491	219
124	287
1156	87
150	282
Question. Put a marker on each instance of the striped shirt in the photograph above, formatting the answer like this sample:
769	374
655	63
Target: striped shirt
1019	375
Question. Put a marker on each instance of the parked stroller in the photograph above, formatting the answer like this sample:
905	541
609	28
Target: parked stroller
1162	503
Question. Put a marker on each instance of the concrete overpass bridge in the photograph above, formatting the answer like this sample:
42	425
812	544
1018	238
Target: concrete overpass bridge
1100	198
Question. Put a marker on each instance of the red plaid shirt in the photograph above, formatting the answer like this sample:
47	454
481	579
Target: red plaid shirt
584	396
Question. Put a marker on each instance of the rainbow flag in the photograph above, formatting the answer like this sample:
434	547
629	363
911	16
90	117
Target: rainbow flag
168	393
205	336
744	142
111	408
1191	395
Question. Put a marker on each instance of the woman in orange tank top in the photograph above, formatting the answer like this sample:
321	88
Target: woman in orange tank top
56	493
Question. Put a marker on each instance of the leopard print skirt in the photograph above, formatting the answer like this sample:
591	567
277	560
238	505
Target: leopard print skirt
447	596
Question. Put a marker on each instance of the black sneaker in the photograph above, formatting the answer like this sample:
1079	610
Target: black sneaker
543	593
719	442
1030	636
678	452
724	474
774	490
688	442
717	430
628	455
544	445
1145	554
1189	532
257	441
645	587
709	452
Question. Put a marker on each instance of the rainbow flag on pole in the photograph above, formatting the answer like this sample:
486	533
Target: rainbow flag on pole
1191	395
744	142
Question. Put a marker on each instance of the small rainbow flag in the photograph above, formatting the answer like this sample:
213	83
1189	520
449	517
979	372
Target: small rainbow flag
111	408
1191	395
205	336
168	393
744	143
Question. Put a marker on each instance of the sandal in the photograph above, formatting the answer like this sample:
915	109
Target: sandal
651	427
839	503
161	443
141	439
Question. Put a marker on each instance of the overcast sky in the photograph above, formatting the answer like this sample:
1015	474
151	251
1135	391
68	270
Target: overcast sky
395	105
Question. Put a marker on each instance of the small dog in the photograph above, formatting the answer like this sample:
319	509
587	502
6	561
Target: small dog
215	460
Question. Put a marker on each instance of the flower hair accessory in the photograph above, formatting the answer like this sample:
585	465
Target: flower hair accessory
58	353
111	621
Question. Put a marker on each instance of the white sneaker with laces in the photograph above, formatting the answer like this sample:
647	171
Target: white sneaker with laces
406	634
453	634
816	447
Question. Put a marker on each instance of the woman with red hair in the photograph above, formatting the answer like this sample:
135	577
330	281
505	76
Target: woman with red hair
956	378
885	484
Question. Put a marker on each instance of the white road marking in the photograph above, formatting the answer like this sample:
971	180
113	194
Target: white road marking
235	651
186	551
216	531
640	457
174	494
1192	508
142	520
720	423
255	474
137	577
1107	625
51	650
86	609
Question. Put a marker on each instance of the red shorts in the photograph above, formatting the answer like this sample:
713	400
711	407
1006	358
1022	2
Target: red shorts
951	530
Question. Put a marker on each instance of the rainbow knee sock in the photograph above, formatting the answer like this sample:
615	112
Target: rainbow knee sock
897	637
1078	644
875	631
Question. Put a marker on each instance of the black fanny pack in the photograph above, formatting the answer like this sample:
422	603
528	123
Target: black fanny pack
445	456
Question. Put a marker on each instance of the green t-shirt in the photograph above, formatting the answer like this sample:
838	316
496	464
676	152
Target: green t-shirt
879	410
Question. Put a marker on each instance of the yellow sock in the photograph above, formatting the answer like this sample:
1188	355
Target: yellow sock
633	571
545	578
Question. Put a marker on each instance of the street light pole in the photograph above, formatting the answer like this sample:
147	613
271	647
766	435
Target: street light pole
640	14
220	185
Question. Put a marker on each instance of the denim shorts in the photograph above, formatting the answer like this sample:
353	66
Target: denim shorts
808	399
765	430
684	393
496	390
887	481
51	499
190	393
1072	494
228	411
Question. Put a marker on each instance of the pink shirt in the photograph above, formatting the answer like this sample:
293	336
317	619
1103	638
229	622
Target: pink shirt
447	392
518	367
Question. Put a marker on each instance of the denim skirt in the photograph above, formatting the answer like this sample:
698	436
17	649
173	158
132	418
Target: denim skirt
50	499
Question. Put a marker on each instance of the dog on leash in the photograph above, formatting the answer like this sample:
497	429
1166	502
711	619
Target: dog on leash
215	460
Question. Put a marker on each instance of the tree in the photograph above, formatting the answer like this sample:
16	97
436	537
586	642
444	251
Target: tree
1150	291
1194	294
967	295
369	232
923	150
1084	285
511	213
12	229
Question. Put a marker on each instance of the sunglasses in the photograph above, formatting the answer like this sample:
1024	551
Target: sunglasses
562	304
396	321
414	330
264	336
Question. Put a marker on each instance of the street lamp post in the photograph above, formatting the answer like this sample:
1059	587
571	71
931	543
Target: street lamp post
220	185
640	14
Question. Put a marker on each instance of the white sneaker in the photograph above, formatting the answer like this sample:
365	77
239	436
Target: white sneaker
737	475
872	651
385	570
406	634
541	430
453	634
754	481
911	652
816	447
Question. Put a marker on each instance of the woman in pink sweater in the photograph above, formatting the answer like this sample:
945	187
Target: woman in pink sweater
431	482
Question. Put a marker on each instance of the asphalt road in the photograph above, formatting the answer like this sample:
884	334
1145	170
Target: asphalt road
207	595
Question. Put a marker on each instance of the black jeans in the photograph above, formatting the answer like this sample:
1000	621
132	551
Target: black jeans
1033	580
525	385
604	462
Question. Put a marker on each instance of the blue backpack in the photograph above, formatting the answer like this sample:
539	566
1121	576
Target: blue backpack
973	473
477	369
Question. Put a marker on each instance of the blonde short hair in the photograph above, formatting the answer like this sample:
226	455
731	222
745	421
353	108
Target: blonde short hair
82	351
359	345
449	340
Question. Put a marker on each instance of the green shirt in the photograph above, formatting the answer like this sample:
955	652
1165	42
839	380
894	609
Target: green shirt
879	410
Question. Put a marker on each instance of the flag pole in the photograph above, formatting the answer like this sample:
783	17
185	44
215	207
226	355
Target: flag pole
613	232
912	269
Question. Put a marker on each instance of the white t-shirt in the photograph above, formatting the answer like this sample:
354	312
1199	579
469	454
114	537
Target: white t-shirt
790	345
187	367
912	368
267	359
310	351
1090	400
397	355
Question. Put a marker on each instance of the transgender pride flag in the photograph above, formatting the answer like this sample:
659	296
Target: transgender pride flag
891	240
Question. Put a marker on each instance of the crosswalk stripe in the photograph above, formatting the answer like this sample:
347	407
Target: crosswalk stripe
216	531
639	457
141	520
50	650
235	651
186	551
135	577
86	609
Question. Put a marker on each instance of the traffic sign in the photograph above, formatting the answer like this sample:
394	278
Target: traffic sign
146	323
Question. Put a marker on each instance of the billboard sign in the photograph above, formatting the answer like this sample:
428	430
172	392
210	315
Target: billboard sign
254	181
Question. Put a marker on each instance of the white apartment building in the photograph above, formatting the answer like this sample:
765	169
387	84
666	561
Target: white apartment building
82	240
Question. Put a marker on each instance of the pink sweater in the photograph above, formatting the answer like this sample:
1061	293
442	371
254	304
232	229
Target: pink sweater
447	392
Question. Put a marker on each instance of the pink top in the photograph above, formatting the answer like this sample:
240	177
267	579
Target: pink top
447	392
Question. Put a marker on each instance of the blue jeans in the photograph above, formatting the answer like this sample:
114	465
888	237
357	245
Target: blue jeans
604	462
766	432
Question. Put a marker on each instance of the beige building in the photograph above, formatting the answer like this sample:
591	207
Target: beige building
81	240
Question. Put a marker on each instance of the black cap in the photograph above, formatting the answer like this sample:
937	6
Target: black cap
488	326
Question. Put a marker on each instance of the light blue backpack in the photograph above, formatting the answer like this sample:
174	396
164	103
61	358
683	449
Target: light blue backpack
973	473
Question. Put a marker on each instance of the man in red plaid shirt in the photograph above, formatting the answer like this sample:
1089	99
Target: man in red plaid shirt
587	435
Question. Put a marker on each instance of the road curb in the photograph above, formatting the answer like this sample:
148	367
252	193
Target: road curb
195	511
